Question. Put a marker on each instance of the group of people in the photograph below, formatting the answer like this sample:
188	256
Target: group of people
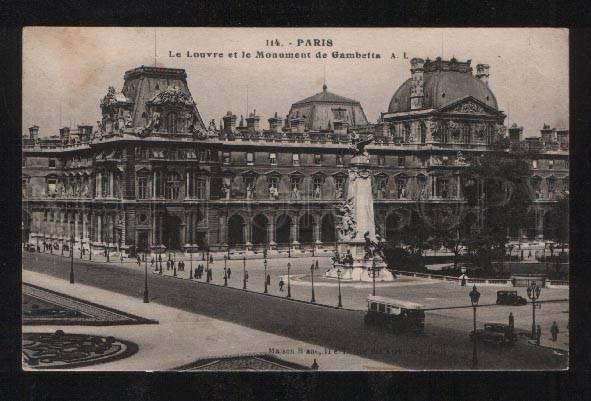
554	330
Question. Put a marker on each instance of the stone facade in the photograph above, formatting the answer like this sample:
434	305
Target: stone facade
152	173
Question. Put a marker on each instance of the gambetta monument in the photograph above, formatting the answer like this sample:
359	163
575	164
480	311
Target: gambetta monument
359	250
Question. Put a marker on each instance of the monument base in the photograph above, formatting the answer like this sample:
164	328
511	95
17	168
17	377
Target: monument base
360	271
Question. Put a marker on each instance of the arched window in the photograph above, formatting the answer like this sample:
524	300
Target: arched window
172	120
173	183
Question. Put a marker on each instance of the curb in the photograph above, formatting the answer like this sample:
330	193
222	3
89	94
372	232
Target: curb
260	293
532	342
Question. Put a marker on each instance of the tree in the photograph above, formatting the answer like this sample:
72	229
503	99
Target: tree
556	227
499	184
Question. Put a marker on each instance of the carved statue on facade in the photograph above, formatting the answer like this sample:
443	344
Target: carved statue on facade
348	258
226	188
348	225
338	193
295	191
250	190
317	192
273	193
358	145
435	128
460	159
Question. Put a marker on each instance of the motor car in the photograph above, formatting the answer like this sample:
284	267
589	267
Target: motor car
395	315
29	247
495	333
510	298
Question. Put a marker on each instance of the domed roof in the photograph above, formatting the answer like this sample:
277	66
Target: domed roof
443	87
324	108
326	97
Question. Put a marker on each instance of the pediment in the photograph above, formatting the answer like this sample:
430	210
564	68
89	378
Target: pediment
468	105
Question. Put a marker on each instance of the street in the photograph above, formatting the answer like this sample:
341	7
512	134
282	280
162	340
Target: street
444	344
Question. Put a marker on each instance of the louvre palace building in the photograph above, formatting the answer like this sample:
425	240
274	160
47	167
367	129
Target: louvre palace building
152	173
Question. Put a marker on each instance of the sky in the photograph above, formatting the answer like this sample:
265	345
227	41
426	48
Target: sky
66	71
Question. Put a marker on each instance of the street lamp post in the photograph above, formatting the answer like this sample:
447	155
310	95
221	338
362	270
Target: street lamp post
81	246
340	305
159	262
108	240
373	276
265	277
244	271
474	297
313	300
533	293
146	297
225	270
72	261
288	284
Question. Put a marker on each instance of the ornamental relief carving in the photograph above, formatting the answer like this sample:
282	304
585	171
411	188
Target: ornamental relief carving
468	108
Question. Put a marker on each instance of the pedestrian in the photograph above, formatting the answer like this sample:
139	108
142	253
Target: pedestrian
511	321
316	269
121	257
172	264
281	284
268	279
210	258
168	264
152	263
183	265
160	258
538	334
139	260
554	330
229	273
315	365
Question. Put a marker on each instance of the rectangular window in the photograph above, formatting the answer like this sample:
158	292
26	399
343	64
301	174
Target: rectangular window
534	164
381	160
105	185
317	160
142	184
340	160
51	186
273	158
250	158
51	163
550	164
226	157
201	188
296	159
401	161
551	184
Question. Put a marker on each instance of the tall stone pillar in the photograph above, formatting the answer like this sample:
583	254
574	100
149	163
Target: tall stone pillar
247	230
99	228
540	223
99	182
111	194
295	230
317	230
223	229
187	185
154	186
271	232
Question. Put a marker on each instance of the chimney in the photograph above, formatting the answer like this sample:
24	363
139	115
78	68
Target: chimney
482	72
416	89
297	124
548	134
65	133
275	123
34	133
253	121
229	123
515	134
340	127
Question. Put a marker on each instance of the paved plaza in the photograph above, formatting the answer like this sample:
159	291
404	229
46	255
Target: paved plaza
240	320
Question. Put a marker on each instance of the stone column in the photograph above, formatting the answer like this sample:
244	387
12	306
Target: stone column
459	187
154	186
317	230
76	231
187	186
295	230
246	231
271	232
99	182
223	229
99	228
540	223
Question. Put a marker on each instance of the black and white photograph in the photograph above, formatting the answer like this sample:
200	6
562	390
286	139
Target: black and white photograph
295	199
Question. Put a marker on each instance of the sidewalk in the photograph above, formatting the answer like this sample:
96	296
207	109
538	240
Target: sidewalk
182	337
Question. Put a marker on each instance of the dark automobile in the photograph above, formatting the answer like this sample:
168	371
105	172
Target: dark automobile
510	298
29	247
395	315
495	333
